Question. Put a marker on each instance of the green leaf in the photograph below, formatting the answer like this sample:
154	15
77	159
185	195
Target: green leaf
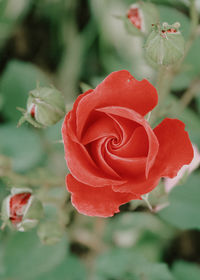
17	80
192	122
190	68
22	145
184	208
26	258
185	270
141	230
71	268
126	264
138	221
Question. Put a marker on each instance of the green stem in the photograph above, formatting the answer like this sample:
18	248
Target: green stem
164	80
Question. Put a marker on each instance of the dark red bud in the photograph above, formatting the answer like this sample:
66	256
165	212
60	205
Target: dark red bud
17	203
135	18
32	112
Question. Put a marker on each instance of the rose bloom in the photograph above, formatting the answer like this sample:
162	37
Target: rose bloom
113	154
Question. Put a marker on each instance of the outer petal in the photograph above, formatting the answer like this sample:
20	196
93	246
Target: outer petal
78	160
118	89
175	148
140	185
101	202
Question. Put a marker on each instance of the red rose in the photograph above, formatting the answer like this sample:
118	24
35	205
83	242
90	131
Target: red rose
113	154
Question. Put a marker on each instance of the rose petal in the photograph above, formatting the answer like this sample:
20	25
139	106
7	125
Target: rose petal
83	167
175	148
126	167
101	202
118	89
136	146
72	120
97	152
139	185
134	116
101	126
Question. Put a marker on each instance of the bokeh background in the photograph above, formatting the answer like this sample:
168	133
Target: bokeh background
72	44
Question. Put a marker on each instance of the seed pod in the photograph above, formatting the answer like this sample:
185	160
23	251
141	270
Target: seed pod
140	17
45	107
21	210
165	44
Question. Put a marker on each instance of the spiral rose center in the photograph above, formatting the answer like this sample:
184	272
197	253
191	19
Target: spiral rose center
116	145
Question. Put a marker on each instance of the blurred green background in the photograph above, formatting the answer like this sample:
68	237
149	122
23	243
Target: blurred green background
72	44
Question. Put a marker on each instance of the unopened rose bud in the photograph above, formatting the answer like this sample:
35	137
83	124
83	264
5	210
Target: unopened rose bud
165	44
21	210
140	17
50	232
45	107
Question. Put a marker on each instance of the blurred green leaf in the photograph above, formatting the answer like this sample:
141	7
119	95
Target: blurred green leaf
190	68
22	145
138	221
17	80
185	270
192	122
26	258
70	269
53	133
126	264
142	231
184	205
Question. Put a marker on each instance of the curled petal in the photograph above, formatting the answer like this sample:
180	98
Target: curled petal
101	202
97	152
134	116
82	166
101	126
70	120
118	89
126	167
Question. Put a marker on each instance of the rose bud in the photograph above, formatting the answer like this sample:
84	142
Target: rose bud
183	173
50	232
140	17
21	210
45	107
165	45
113	154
